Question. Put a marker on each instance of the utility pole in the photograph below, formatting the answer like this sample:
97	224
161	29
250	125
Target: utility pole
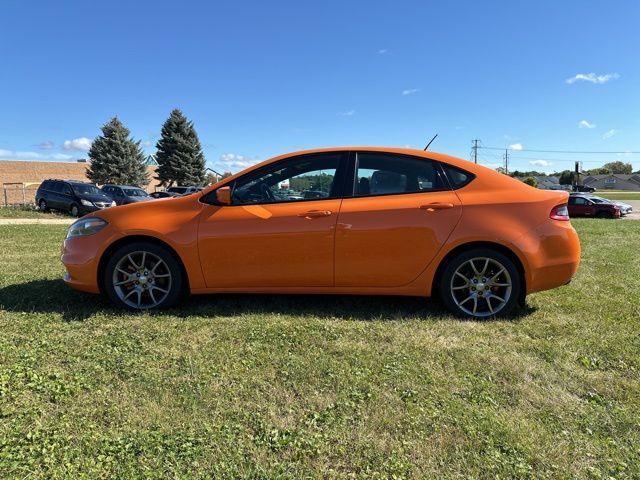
506	161
475	150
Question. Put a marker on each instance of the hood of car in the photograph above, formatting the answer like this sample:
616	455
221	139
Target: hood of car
95	198
139	199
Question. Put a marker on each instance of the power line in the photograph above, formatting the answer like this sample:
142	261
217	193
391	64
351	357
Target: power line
556	151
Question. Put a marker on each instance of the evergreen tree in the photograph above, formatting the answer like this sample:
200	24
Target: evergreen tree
116	158
180	158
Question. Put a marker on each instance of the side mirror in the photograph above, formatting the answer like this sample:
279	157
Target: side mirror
223	195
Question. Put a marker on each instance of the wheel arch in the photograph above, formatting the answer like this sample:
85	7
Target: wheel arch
506	251
121	242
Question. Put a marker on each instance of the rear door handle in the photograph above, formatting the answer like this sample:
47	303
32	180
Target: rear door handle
431	207
315	213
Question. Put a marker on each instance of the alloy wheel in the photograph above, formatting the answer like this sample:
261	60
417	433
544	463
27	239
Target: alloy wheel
142	280
481	287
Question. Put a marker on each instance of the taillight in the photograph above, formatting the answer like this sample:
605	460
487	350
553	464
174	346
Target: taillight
559	212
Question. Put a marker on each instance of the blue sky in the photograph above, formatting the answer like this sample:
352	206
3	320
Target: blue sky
263	78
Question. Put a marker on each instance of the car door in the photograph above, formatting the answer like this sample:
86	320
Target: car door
580	207
270	236
400	214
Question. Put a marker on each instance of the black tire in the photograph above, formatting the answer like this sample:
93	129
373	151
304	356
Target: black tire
74	210
604	215
42	205
175	287
482	296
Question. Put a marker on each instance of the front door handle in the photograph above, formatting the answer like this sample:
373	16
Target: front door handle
315	213
431	207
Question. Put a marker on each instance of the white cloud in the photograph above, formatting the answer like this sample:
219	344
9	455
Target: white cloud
232	161
61	156
410	91
515	146
540	163
10	154
382	51
28	155
609	133
82	143
146	143
348	113
586	124
48	145
592	78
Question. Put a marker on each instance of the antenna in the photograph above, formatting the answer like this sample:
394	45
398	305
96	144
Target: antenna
434	137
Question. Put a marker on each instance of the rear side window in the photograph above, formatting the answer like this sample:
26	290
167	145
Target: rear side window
384	174
46	185
457	178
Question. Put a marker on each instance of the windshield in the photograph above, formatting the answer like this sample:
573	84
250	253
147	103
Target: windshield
86	190
599	200
177	189
135	192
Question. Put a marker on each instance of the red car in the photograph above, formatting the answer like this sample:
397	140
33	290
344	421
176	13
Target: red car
582	206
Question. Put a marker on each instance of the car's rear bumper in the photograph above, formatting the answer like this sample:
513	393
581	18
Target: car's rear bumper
554	258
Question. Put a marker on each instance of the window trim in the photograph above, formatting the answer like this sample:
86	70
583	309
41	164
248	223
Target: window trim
354	168
338	182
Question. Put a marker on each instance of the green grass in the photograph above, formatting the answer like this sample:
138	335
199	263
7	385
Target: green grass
322	387
618	195
28	211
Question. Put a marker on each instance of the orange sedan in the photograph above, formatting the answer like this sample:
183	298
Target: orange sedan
361	220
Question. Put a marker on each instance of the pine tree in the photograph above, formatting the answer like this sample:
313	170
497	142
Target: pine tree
179	156
116	158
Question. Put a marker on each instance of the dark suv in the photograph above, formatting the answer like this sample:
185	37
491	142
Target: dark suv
77	198
583	206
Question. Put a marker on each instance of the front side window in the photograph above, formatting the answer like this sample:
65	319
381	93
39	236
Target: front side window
304	178
81	189
383	174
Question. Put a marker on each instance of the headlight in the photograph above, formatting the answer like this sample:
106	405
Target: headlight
87	226
86	203
113	204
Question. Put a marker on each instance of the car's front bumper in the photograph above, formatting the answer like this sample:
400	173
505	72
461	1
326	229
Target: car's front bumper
84	209
81	257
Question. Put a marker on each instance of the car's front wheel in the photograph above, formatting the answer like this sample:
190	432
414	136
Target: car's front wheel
480	283
142	276
74	211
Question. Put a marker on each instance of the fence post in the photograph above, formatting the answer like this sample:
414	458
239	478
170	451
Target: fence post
6	203
24	196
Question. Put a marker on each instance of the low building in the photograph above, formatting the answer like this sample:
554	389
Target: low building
19	179
613	182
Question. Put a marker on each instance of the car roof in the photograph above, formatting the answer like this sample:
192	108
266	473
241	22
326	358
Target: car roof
427	155
120	186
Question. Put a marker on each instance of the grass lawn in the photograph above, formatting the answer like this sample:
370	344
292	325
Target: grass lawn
618	195
28	212
330	387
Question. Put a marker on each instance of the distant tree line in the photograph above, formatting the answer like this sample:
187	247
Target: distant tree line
117	158
568	177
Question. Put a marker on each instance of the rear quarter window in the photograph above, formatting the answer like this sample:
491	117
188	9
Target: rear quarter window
457	177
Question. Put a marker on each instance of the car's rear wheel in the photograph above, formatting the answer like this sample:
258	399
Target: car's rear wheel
74	211
43	206
142	276
480	283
